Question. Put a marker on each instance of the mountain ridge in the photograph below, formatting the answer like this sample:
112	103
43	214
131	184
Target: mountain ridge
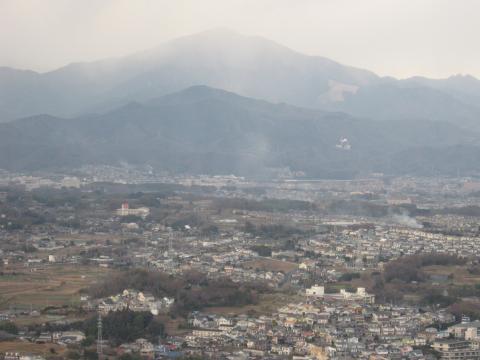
248	65
220	132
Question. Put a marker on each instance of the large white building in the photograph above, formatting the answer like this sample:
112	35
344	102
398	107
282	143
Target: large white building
135	301
360	295
316	290
466	330
125	210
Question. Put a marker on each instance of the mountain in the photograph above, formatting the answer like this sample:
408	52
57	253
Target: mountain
220	58
395	101
248	65
465	88
206	130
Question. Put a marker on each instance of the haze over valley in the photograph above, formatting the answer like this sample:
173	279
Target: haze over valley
239	180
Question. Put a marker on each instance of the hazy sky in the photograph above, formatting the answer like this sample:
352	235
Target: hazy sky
434	38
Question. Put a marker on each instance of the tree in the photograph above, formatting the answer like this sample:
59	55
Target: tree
9	327
90	354
74	355
126	326
130	357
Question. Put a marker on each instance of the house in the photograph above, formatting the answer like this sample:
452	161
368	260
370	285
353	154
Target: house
70	337
282	349
206	333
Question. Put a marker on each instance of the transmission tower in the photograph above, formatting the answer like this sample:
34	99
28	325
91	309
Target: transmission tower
99	337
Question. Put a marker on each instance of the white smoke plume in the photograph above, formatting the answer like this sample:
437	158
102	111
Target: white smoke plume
406	220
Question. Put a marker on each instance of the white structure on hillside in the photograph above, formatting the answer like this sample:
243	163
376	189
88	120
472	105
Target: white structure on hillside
343	144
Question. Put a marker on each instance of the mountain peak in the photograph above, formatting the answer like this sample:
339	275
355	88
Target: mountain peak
217	32
196	93
218	41
204	90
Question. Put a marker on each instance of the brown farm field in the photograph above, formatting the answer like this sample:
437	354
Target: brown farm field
271	265
459	273
28	347
267	304
54	285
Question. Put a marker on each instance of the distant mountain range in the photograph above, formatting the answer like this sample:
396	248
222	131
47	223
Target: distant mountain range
249	66
176	108
210	131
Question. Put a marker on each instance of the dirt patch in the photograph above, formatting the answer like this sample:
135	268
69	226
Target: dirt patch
267	304
270	265
24	347
55	285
